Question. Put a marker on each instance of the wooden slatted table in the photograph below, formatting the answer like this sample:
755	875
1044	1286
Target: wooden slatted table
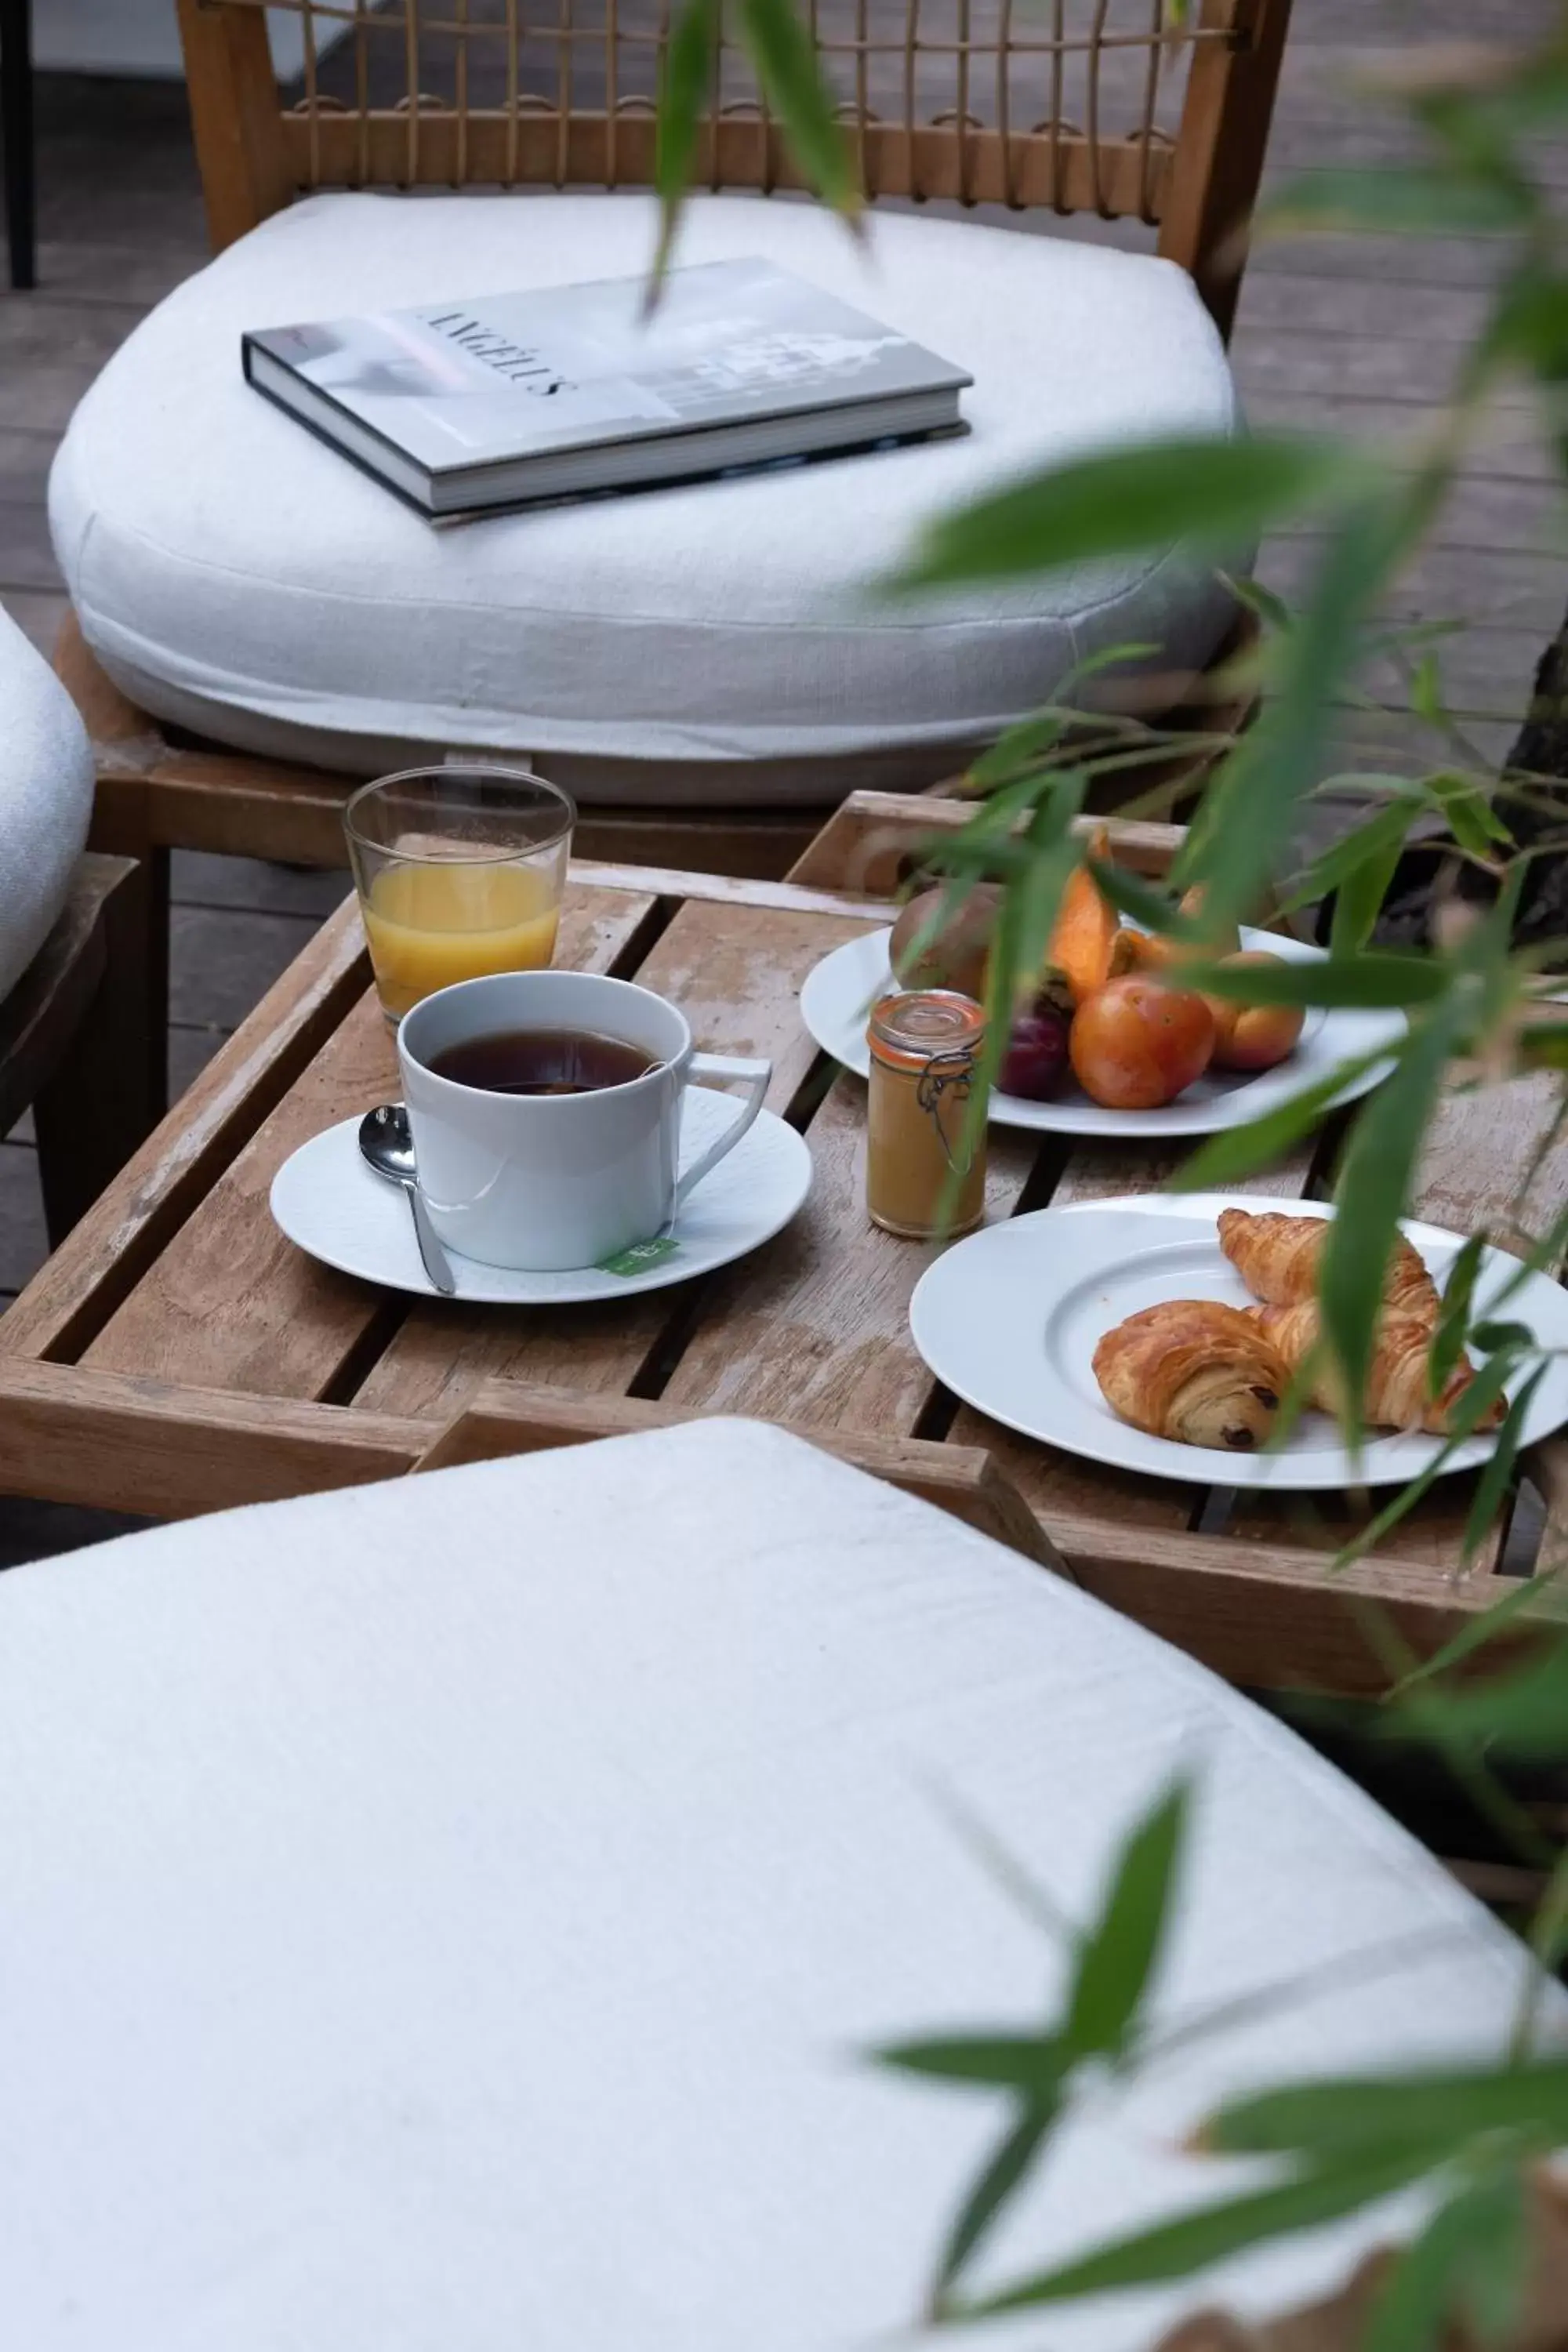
178	1355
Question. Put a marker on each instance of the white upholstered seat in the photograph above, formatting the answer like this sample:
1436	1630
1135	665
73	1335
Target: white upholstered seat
46	799
710	641
449	1914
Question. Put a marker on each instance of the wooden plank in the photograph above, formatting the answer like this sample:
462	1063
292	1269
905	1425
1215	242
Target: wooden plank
167	1450
233	1305
866	845
735	970
240	142
506	1418
86	1280
1266	1615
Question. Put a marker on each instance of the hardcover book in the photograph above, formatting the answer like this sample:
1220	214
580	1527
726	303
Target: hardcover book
500	400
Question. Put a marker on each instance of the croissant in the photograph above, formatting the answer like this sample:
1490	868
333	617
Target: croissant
1193	1370
1277	1257
1396	1395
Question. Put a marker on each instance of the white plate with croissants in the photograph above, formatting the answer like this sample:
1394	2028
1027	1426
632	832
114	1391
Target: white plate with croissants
1161	1334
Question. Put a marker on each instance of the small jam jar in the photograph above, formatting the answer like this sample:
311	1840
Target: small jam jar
925	1144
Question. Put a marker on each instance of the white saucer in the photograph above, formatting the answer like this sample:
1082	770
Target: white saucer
840	990
1009	1320
328	1201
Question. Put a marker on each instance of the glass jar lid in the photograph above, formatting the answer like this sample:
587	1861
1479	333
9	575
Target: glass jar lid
912	1026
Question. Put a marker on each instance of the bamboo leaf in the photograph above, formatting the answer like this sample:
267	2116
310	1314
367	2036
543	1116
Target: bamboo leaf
1407	200
1525	1712
998	2182
1469	2265
1492	1485
1031	2063
1240	1151
1497	1339
1377	979
1191	2242
1355	2115
1362	892
1524	1594
1448	1339
789	72
1248	808
1131	894
1118	1955
1389	823
1463	1420
688	72
1196	491
1378	1165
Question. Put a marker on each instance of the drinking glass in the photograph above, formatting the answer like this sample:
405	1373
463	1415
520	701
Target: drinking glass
460	871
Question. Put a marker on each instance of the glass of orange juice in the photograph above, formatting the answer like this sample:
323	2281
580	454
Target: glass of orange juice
460	871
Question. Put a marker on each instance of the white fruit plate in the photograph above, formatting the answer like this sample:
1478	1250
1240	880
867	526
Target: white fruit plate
840	990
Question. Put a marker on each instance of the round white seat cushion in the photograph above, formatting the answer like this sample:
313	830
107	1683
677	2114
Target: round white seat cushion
453	1914
233	573
46	799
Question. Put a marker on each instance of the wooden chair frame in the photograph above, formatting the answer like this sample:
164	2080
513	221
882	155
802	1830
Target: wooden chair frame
159	790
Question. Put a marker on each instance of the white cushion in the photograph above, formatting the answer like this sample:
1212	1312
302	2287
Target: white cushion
234	573
46	799
449	1914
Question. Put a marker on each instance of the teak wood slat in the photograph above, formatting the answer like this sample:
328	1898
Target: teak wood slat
177	1354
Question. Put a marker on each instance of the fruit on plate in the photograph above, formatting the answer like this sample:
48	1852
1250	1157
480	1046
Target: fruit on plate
1084	938
1037	1060
1253	1037
1137	1043
935	945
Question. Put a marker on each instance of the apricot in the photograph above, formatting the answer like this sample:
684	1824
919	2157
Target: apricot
1138	1043
1253	1037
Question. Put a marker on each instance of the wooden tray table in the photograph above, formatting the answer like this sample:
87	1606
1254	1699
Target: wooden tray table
178	1355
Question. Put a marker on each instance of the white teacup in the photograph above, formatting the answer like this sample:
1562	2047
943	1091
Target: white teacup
550	1182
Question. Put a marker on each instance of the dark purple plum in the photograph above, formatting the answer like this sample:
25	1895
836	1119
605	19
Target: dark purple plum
1035	1062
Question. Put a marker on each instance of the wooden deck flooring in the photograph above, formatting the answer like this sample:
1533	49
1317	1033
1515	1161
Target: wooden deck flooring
1360	334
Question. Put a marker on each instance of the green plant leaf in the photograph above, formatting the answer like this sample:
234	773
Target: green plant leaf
1030	2063
1469	2265
1118	1954
1198	492
1344	858
1143	901
1453	1319
1354	2116
1234	841
1523	1594
1493	1339
790	74
1467	812
1525	1712
1378	1164
1240	1151
1362	892
1376	980
1399	201
685	93
998	2182
1493	1482
1193	2242
1463	1420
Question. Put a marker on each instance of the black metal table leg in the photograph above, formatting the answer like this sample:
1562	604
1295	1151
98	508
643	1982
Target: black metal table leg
16	134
